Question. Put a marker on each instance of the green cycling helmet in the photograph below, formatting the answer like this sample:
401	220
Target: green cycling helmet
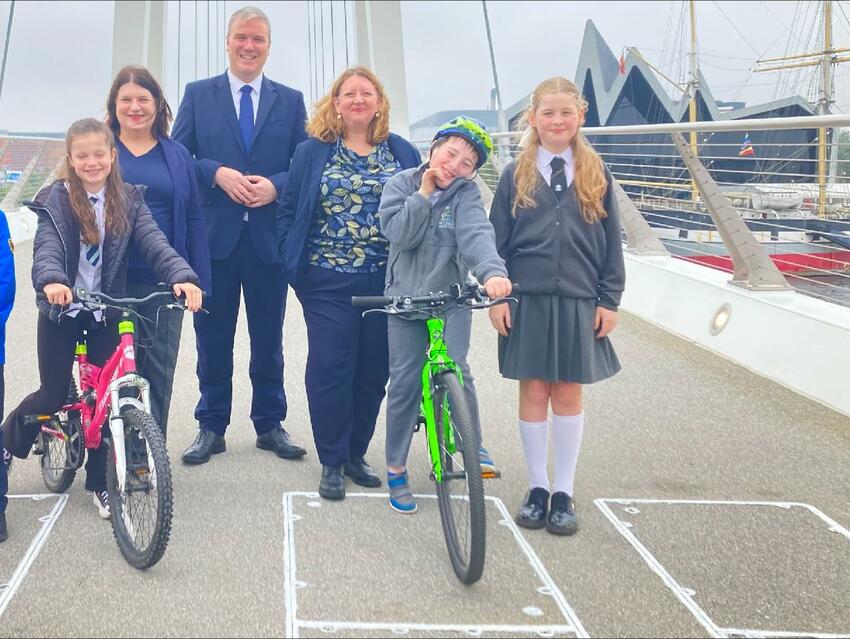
471	130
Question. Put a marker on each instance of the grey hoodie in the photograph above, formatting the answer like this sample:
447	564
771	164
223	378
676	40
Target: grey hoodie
435	246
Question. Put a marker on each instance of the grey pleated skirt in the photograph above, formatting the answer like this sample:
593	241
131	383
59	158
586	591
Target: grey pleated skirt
552	338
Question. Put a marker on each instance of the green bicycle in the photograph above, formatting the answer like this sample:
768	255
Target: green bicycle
451	437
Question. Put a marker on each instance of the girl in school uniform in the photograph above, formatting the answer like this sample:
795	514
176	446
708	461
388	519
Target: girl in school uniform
87	220
558	228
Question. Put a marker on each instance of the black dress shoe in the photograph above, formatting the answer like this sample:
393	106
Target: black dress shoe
207	443
562	515
278	440
361	473
532	513
332	484
4	534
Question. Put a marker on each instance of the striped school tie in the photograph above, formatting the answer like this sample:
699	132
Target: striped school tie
93	250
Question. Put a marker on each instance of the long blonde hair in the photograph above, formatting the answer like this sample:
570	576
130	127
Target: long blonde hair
324	123
115	207
588	171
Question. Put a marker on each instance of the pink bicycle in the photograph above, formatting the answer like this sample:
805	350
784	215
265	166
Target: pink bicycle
138	471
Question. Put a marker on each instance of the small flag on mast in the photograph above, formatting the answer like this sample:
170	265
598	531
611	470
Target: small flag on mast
747	147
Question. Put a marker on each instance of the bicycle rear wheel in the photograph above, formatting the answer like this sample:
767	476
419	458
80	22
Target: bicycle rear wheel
62	456
141	512
460	494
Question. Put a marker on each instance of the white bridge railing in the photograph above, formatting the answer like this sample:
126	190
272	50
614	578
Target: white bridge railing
792	239
690	220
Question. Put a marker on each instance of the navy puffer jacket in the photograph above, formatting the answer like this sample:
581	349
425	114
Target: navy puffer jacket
56	247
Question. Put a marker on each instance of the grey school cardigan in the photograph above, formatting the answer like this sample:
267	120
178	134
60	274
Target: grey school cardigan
550	249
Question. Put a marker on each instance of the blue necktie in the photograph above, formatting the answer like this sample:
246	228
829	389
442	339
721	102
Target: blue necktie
93	250
246	117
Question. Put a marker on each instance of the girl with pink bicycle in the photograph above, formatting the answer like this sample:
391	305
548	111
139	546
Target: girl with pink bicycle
86	222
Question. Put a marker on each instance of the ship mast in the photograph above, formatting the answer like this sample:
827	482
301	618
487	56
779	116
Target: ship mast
693	86
826	60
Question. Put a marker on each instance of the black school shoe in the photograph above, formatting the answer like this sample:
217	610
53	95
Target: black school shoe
4	534
532	513
361	473
562	515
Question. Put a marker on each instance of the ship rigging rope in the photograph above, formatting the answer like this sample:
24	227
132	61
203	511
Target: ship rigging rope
766	222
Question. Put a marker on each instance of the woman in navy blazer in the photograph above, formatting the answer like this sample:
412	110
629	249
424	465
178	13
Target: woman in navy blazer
331	248
140	118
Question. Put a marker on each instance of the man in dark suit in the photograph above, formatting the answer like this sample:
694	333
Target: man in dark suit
242	129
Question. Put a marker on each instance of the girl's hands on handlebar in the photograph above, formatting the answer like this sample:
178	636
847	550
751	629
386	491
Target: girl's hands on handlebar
194	295
58	294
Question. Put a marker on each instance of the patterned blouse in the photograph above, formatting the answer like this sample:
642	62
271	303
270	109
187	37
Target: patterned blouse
346	234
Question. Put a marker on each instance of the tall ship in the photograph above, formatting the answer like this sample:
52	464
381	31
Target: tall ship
781	181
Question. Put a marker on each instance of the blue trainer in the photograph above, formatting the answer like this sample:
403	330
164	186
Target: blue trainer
487	464
401	499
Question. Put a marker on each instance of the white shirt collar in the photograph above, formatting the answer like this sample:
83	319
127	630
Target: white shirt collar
100	195
236	84
544	157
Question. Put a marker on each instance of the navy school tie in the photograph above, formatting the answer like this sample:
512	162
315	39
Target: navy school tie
93	250
559	177
246	117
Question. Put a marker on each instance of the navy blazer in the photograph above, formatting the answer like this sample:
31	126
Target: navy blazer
207	126
300	201
190	228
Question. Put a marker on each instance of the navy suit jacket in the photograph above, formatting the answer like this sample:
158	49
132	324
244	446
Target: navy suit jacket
208	127
300	201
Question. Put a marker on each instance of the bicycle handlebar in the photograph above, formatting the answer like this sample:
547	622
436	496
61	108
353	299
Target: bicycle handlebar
459	294
372	300
84	296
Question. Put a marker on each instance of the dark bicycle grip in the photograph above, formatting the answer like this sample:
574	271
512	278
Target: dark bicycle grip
371	300
33	420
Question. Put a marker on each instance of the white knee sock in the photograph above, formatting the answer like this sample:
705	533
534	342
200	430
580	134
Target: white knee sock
535	439
566	440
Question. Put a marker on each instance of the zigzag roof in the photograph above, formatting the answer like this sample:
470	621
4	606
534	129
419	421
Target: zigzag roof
598	62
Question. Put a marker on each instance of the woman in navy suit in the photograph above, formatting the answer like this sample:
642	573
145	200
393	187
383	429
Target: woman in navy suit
332	248
140	118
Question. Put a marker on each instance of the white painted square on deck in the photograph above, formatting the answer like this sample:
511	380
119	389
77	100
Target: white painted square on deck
358	568
744	568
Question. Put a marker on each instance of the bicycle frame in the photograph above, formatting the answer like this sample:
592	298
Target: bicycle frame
100	389
438	361
437	356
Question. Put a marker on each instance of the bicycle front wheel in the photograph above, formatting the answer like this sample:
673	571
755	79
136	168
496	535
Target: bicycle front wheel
460	493
141	511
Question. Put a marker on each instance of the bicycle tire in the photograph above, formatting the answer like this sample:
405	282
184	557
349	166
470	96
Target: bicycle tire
468	563
61	459
141	544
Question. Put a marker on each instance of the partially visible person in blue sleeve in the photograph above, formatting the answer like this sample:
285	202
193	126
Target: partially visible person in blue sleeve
7	300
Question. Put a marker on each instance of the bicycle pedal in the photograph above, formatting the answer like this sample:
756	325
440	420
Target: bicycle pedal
491	474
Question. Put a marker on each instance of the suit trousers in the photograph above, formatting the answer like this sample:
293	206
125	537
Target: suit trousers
264	289
157	345
56	346
346	372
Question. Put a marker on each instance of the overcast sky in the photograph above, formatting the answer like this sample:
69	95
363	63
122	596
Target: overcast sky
59	65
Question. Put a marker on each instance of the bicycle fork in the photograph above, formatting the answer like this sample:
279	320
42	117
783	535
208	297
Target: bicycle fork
116	422
437	362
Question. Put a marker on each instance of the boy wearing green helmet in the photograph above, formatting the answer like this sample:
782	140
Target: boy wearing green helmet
438	232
